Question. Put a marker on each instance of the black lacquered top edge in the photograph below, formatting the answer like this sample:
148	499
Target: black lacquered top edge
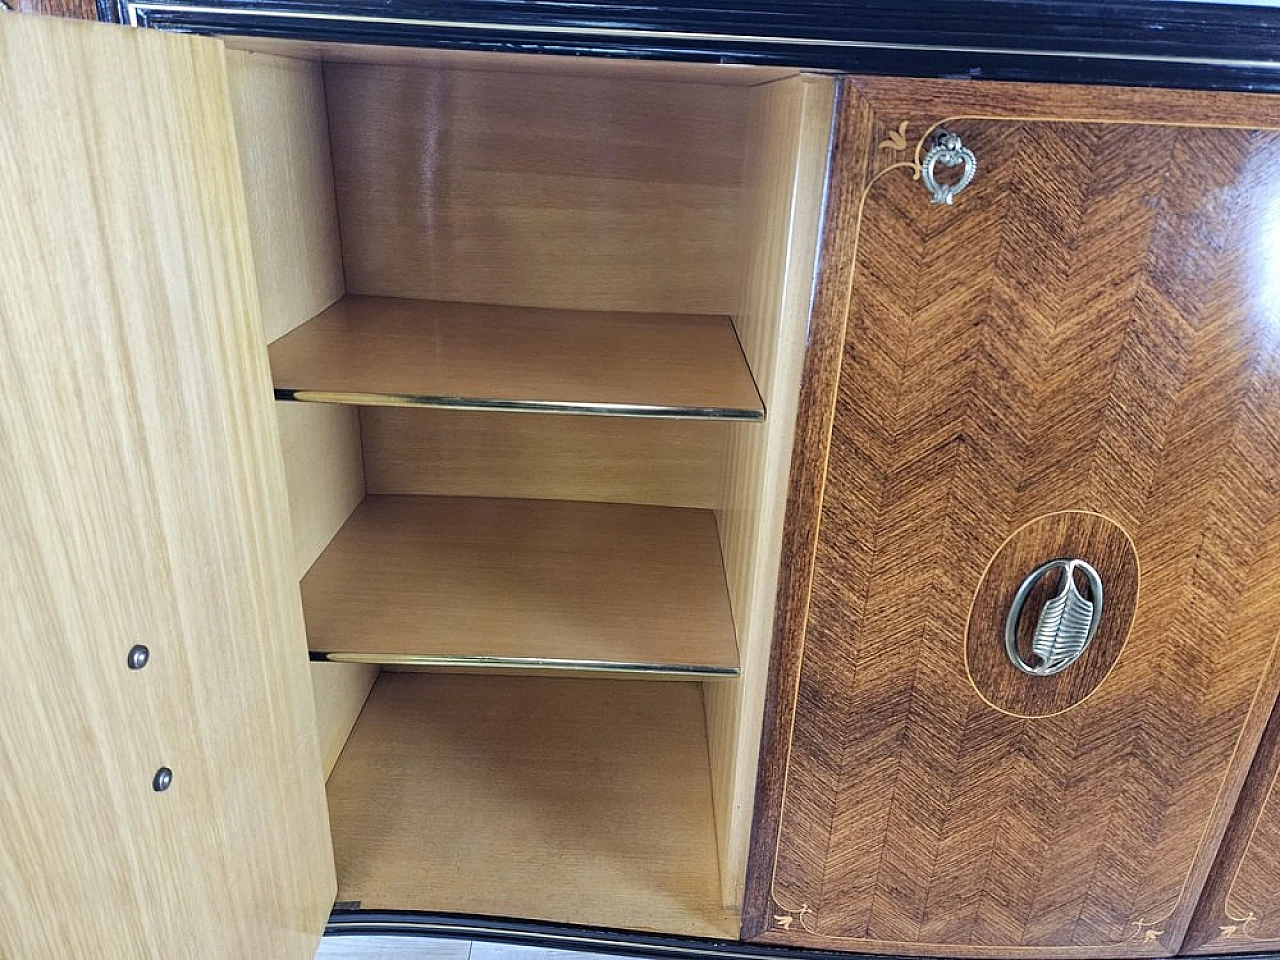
1159	43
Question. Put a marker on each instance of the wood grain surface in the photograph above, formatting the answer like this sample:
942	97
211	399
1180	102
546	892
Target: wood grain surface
392	352
1091	327
580	801
283	139
142	500
850	163
474	453
78	9
535	189
282	134
439	59
1238	909
423	579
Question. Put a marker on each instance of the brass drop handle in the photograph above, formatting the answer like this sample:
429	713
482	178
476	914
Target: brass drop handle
948	151
1067	623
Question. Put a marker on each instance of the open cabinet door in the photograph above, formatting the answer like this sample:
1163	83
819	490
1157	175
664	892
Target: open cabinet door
142	501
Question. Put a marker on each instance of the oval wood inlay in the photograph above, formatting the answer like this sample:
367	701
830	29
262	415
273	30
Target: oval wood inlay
1086	536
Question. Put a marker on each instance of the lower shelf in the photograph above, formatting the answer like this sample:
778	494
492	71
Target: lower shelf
568	800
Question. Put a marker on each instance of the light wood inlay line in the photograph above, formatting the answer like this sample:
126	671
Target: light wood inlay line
381	351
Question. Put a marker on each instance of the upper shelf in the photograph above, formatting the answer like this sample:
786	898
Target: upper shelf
381	351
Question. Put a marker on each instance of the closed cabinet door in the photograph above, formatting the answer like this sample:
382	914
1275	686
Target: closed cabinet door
1239	910
160	785
1026	633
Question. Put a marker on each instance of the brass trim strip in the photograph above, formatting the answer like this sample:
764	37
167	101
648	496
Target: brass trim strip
524	663
521	406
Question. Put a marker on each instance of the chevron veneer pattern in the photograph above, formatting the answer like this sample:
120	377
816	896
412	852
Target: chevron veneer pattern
1094	326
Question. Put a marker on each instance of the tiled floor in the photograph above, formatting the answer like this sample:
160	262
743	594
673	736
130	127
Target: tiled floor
424	948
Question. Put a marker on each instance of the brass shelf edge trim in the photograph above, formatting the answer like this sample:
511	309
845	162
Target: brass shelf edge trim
521	406
524	663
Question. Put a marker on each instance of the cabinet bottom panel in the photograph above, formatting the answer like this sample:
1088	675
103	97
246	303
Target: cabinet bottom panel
567	800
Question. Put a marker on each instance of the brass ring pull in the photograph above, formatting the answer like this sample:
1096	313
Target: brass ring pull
950	152
1068	621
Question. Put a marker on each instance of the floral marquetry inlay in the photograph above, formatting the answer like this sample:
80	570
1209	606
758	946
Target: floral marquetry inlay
897	139
788	917
1145	932
1239	930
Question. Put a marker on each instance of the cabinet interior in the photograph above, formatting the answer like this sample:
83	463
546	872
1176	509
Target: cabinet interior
536	328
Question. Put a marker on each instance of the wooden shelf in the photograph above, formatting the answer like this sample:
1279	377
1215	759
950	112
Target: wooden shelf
523	585
575	801
380	351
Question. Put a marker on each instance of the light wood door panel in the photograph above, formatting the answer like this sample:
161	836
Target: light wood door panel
142	501
1081	352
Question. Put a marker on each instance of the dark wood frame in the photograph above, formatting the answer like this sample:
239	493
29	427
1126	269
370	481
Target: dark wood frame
76	9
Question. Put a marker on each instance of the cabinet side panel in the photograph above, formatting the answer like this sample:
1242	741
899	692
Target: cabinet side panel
142	501
322	462
282	130
851	154
789	134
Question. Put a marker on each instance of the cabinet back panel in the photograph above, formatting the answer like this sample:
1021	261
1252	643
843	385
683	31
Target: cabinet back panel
465	453
537	190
